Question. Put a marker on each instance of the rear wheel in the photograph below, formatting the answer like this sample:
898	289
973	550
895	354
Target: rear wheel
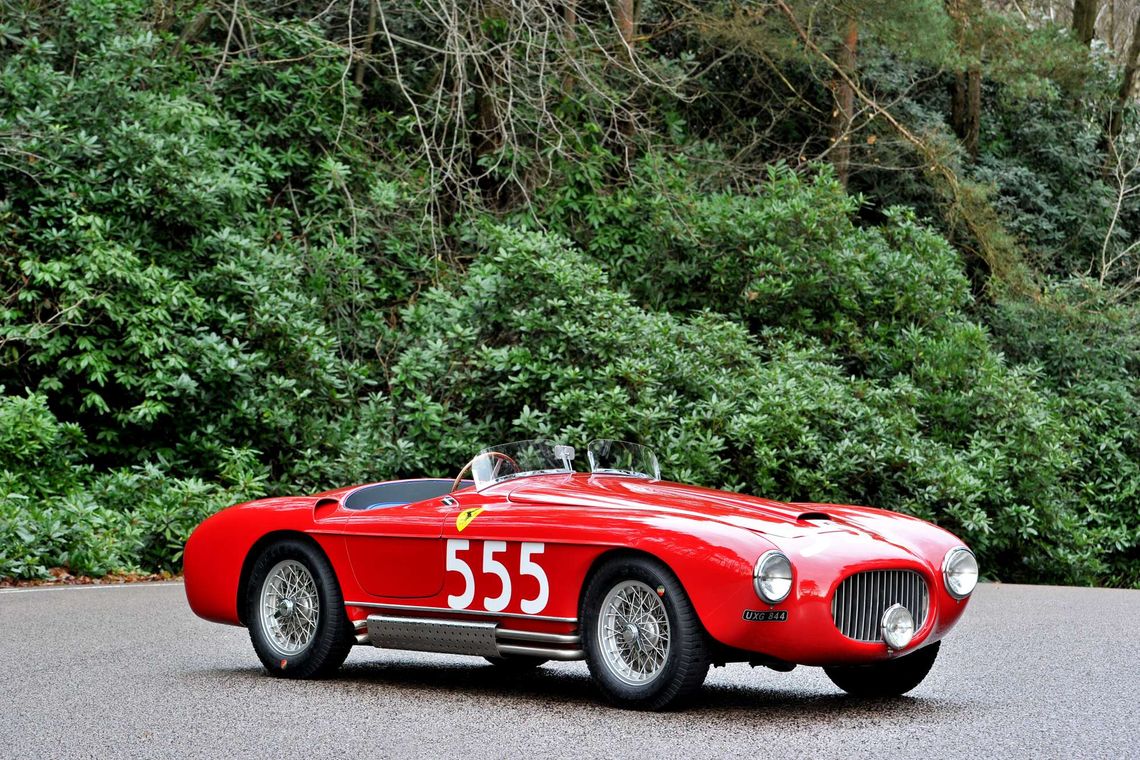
891	678
644	645
295	612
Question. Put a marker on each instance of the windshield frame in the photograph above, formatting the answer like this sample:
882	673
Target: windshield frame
601	452
529	456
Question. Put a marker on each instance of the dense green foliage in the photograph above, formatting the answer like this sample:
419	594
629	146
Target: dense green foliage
219	279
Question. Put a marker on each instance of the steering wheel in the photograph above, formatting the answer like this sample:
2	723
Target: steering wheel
497	455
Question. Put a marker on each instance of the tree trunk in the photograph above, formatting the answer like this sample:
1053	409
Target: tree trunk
199	24
625	17
966	99
569	34
625	14
362	63
1084	20
488	132
966	109
1131	63
844	104
973	111
1111	36
958	104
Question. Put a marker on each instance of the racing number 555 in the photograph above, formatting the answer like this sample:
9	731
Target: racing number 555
491	566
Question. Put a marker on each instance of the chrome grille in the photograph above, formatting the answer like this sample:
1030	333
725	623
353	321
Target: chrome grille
861	600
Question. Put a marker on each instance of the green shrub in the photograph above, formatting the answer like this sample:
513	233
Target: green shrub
1088	349
216	282
121	520
38	454
535	340
182	267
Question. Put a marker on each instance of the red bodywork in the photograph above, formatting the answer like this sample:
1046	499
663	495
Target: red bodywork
415	558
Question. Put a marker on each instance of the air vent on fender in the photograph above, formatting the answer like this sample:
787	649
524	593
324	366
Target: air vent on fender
324	507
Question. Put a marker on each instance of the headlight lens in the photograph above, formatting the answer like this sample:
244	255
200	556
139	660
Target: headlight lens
897	626
960	570
772	577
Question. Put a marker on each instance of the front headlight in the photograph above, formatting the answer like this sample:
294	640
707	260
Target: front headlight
772	577
960	570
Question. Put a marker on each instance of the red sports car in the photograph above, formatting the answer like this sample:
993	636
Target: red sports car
650	582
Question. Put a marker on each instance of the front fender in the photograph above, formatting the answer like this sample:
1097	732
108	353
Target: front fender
216	551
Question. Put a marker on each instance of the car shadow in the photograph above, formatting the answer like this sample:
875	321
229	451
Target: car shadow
553	686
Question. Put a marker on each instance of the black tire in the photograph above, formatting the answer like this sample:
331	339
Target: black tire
516	663
891	678
684	664
322	649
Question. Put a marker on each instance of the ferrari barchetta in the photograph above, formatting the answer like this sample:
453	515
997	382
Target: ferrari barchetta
650	582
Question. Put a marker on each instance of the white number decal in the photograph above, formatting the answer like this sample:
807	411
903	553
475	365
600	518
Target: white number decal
527	567
491	565
454	564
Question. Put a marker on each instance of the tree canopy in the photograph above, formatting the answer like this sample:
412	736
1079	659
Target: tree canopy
878	252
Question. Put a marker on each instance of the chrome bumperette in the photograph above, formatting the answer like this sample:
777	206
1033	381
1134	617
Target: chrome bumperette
859	602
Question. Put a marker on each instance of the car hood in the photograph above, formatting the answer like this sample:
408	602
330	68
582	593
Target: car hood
662	497
805	529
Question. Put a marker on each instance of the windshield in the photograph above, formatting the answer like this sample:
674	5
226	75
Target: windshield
622	458
513	460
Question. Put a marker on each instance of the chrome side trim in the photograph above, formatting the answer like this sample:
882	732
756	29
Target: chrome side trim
550	654
543	638
481	639
447	636
449	611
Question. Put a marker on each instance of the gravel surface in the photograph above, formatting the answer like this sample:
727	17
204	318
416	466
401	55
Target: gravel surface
129	671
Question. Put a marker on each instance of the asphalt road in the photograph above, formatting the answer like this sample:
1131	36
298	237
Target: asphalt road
128	671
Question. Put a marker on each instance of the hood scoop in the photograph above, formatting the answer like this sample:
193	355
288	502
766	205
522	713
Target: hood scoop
819	516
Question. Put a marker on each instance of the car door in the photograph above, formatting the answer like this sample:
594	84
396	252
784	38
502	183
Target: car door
496	560
396	551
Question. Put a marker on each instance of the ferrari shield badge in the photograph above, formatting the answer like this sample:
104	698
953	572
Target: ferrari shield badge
465	517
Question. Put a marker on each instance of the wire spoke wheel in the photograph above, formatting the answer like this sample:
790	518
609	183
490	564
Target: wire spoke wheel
633	630
295	611
644	644
289	607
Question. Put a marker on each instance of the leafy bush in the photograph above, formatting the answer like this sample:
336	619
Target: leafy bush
537	341
216	281
56	512
1088	349
182	277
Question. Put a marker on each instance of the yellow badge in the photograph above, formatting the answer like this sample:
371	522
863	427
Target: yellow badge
465	517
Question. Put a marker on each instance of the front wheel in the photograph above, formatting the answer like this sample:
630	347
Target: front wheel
644	644
891	678
295	612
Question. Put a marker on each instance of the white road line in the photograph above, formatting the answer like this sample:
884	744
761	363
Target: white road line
88	586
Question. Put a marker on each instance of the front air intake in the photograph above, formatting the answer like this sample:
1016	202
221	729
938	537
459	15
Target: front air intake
860	601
